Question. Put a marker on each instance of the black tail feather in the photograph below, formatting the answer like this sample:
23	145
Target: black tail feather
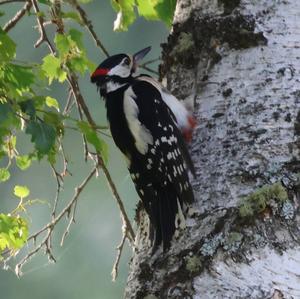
164	210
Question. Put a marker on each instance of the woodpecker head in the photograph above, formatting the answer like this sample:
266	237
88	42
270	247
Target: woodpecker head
117	69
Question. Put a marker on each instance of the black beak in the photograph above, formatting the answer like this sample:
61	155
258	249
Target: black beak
140	55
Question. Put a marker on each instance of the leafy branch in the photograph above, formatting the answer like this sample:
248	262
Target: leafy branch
24	110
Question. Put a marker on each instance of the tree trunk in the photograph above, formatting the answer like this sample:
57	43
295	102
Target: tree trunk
239	62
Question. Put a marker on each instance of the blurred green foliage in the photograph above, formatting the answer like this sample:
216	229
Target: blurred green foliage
150	9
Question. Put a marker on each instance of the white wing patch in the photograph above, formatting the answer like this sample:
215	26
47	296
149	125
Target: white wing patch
177	107
141	134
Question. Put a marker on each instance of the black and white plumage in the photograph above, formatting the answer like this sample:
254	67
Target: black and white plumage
147	132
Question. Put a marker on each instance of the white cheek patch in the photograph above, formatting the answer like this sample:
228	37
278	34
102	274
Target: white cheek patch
121	70
141	134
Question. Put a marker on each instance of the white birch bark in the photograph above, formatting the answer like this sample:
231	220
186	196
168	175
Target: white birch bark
239	62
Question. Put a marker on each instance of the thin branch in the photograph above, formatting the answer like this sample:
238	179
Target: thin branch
149	70
46	242
114	272
67	208
10	1
112	186
18	16
18	268
65	170
59	182
85	144
69	104
71	221
40	21
89	26
149	62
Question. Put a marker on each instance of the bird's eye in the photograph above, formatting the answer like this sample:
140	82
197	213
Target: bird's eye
126	61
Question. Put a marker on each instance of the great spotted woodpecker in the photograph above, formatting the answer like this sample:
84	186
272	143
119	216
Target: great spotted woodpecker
145	122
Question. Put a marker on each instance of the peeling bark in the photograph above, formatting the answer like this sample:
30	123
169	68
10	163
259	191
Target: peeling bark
239	61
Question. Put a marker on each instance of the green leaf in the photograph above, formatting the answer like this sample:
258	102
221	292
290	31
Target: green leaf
76	36
63	44
92	138
56	120
23	162
7	47
19	77
43	135
13	232
146	9
21	191
52	67
51	157
51	102
28	107
4	175
85	1
8	120
5	114
126	14
165	10
46	2
81	64
72	15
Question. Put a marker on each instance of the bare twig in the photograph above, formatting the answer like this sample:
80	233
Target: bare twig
59	182
149	70
66	209
71	221
149	62
114	272
46	242
10	1
65	170
40	21
129	230
18	16
85	145
69	104
89	26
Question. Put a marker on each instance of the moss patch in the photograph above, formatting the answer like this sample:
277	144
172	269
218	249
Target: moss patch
193	264
258	201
